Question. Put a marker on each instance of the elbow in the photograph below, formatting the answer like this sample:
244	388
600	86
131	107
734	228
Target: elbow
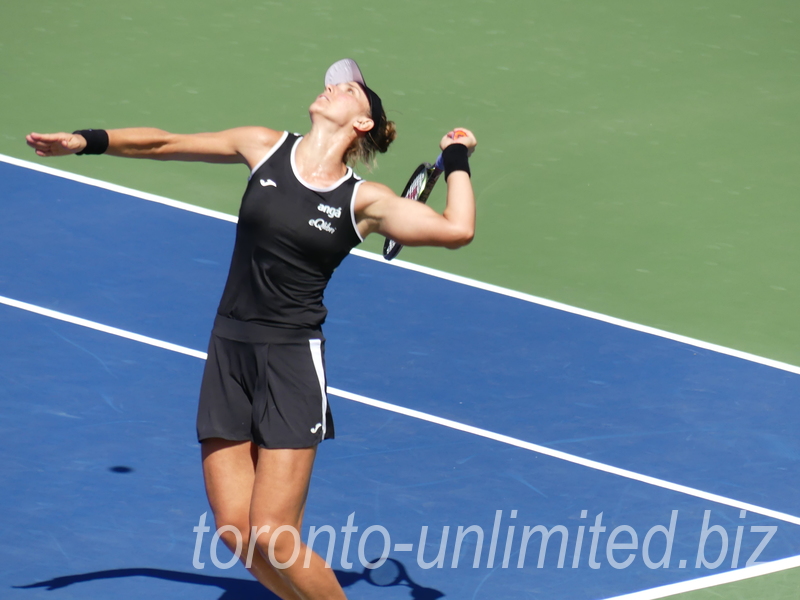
461	238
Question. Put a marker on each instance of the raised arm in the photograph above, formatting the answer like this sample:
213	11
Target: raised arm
408	222
240	145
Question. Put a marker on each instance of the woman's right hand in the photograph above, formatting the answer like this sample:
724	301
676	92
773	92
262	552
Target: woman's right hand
460	136
55	144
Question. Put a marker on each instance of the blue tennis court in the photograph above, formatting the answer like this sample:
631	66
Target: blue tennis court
455	407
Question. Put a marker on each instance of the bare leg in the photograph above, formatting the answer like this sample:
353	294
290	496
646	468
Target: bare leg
279	496
229	469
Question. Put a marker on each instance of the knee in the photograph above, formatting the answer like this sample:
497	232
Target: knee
234	531
278	542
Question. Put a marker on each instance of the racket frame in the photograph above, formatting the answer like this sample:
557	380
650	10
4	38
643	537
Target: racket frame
431	173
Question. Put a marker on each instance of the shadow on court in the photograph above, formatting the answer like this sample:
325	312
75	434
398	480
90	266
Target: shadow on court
391	573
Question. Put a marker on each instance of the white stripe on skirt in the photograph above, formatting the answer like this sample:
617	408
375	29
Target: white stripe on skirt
316	356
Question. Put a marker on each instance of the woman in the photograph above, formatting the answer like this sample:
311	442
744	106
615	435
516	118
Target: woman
263	408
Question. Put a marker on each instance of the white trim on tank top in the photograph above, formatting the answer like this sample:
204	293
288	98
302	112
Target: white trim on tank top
314	188
270	153
353	208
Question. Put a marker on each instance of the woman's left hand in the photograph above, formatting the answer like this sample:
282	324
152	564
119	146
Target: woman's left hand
460	136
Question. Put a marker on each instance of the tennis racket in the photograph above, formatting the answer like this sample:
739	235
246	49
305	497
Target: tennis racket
418	188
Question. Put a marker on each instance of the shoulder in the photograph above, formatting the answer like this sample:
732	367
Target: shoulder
253	142
370	192
256	134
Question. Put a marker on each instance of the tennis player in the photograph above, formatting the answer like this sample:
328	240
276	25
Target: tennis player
263	407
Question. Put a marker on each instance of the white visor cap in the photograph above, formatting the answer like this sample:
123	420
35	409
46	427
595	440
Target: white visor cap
344	71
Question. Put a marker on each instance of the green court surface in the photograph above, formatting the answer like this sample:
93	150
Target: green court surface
638	159
778	585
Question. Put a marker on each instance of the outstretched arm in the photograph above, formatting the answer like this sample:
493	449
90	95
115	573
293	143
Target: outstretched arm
240	145
408	222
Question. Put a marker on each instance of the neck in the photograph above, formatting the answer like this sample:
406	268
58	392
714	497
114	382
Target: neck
320	155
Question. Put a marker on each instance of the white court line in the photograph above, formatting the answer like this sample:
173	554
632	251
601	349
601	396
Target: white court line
582	312
112	187
652	594
584	462
427	271
53	314
713	580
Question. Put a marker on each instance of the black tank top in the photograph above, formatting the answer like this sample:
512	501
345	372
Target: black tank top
289	239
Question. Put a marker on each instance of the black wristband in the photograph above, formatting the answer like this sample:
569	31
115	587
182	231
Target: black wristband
455	158
96	141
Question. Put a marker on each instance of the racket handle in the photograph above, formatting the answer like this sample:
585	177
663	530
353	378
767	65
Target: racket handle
439	164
